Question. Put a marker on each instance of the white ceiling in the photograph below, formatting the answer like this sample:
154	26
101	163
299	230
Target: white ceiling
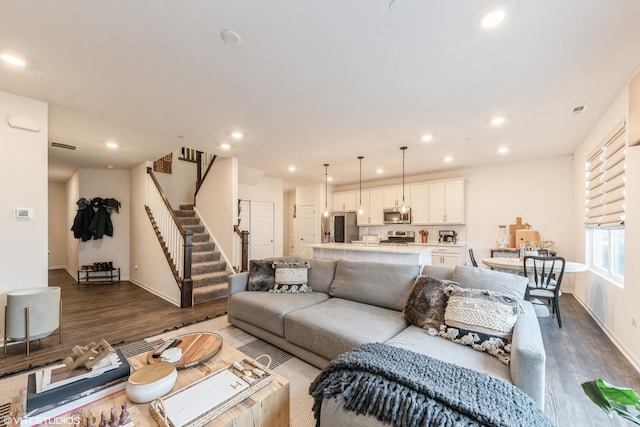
318	81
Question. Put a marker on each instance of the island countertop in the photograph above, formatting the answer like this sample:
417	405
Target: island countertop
411	254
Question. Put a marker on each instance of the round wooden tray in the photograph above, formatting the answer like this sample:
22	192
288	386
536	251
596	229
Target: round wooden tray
196	348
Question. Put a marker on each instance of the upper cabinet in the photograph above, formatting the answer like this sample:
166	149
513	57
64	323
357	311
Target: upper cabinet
446	202
373	205
345	201
419	203
392	197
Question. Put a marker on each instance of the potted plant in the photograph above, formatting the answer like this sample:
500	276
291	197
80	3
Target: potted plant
623	401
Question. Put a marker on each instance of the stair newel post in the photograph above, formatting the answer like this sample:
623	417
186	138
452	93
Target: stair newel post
245	251
186	294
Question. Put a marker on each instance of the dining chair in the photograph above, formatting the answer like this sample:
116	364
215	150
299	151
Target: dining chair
545	278
473	258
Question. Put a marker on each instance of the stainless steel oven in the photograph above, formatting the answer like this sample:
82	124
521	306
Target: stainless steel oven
396	216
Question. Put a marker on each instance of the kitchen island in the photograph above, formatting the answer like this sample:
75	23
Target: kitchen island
412	255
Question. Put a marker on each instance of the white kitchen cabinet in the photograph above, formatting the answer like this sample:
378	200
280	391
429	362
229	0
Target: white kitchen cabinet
419	203
372	204
446	202
447	256
345	201
392	197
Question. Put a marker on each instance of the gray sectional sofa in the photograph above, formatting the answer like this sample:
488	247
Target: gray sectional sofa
353	303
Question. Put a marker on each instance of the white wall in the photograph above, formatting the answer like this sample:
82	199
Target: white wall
59	227
149	267
217	204
23	184
611	305
179	185
112	184
268	189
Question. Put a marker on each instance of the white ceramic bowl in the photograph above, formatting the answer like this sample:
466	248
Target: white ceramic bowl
151	382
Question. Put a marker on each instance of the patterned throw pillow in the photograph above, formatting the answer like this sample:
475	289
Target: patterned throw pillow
291	278
481	319
427	302
261	275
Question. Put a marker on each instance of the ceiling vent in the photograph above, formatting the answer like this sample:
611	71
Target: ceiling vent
578	110
65	146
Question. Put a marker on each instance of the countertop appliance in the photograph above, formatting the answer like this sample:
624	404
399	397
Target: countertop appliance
344	228
395	216
447	236
399	238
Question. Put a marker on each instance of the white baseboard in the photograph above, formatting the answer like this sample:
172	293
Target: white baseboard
58	267
155	292
625	352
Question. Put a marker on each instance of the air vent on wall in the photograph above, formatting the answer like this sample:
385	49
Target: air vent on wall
576	111
65	146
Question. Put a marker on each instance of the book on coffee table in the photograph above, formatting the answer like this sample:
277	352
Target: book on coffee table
46	399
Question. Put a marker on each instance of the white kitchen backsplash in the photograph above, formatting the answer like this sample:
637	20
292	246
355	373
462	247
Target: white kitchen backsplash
382	231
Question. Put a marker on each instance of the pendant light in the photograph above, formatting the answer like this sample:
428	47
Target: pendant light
360	209
403	208
326	180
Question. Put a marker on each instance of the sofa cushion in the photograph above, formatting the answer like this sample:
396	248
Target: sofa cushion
321	274
339	325
267	310
438	272
482	278
426	303
380	284
419	340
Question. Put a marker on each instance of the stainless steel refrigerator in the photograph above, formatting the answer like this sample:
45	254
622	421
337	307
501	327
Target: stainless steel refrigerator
344	227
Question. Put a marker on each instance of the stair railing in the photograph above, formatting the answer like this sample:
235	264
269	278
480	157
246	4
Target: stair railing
176	242
204	162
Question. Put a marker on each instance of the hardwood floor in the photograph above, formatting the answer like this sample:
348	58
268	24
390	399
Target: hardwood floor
578	352
119	312
581	352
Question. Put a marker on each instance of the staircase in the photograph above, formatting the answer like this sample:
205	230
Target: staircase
208	272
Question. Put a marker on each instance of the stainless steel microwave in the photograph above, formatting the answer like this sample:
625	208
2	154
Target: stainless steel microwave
396	216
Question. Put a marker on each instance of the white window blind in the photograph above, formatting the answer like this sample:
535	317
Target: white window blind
604	181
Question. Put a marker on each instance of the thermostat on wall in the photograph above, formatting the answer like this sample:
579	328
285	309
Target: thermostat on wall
23	213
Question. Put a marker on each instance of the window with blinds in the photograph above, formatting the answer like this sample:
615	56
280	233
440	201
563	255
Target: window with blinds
605	179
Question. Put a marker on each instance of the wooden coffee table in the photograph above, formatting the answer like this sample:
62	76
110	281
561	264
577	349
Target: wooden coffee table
268	406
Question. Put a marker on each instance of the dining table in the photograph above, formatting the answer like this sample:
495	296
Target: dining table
515	265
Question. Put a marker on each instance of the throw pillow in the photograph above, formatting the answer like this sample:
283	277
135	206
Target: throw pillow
291	277
481	319
261	275
427	302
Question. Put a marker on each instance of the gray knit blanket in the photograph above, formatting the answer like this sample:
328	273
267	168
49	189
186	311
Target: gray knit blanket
404	388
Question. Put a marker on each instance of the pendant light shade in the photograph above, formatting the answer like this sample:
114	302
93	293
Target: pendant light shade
326	180
360	209
403	208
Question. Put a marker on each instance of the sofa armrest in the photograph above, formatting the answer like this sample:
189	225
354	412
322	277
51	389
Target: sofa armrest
528	356
238	282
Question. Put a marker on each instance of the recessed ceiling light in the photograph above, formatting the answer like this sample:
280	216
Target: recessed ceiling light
111	145
379	170
237	135
428	137
448	159
13	60
329	178
225	146
497	121
492	18
292	168
503	150
109	166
